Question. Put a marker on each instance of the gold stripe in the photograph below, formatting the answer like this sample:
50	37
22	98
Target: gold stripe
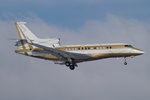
75	48
48	57
27	41
22	50
107	55
22	44
28	50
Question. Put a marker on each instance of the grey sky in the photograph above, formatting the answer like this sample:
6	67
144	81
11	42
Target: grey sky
25	78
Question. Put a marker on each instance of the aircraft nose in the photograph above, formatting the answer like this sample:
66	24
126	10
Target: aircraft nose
140	52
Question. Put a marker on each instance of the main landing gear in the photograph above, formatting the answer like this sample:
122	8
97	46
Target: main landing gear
71	65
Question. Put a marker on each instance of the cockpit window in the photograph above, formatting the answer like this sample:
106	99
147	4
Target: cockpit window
128	46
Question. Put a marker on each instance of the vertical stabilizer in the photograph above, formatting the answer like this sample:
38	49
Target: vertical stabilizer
26	36
24	32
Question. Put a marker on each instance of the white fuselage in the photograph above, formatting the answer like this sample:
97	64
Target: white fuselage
89	52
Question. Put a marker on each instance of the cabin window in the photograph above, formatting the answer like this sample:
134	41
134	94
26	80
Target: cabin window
108	47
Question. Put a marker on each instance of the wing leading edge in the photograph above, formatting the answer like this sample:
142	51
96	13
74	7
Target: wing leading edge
62	55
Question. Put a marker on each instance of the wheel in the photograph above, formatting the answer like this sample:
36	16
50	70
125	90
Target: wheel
125	63
67	63
72	67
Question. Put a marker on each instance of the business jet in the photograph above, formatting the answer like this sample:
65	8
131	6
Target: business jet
69	55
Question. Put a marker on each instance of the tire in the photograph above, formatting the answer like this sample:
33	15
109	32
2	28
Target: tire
67	63
72	67
125	63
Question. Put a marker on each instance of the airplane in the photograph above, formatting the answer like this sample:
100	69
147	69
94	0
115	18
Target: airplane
69	55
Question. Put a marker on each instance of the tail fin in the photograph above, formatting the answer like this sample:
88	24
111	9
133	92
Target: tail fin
26	36
24	32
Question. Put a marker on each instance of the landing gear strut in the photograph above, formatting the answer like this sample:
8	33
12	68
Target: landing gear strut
125	61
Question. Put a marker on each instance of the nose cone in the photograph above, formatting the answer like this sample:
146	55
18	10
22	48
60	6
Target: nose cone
137	51
140	52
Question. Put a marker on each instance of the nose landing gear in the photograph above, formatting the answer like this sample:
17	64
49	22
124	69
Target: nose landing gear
125	61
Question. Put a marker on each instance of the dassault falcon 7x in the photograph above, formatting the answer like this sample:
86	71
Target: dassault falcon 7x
69	55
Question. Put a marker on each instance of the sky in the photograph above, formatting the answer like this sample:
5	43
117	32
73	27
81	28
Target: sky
76	22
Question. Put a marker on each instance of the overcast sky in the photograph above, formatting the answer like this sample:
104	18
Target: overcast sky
76	22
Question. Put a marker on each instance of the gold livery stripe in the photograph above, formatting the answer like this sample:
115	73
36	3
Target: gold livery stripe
22	44
30	46
22	50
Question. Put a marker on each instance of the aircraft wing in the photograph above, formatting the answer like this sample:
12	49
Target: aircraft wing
62	55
